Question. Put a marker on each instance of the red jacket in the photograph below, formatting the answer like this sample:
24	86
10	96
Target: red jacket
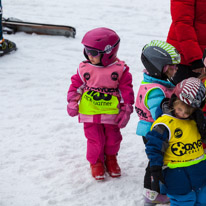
188	29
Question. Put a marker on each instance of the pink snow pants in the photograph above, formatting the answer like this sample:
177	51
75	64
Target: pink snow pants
101	139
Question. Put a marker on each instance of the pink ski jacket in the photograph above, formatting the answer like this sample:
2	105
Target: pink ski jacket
92	82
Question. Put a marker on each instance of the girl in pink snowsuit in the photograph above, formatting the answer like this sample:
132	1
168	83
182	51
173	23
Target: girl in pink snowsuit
101	94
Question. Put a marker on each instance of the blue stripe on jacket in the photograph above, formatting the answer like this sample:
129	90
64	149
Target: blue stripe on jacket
155	97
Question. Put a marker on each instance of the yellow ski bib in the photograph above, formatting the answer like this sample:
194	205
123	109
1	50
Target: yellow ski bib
93	102
185	145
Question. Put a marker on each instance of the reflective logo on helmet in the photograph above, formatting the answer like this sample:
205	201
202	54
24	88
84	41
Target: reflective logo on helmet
190	98
160	51
108	49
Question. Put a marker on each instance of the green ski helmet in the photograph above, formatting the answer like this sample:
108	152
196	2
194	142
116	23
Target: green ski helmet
158	54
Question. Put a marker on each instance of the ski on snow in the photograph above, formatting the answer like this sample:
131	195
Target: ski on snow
13	25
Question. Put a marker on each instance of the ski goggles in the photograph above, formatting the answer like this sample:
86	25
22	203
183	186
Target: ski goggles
171	66
93	52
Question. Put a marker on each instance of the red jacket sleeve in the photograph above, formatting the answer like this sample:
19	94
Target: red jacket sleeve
126	87
183	14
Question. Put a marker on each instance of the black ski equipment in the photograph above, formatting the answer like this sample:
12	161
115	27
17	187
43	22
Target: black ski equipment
13	25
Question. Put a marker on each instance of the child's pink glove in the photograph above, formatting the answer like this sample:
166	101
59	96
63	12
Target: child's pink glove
73	109
124	115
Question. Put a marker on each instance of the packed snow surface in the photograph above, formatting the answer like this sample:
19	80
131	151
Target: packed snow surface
42	149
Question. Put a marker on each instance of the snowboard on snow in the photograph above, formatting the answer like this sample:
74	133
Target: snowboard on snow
13	25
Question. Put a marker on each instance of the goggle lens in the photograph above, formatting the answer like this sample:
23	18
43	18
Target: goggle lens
92	52
173	66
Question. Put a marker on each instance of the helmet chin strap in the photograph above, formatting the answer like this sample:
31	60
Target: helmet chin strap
166	78
101	59
171	80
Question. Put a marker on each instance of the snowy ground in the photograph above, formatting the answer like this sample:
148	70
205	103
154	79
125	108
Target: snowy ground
42	149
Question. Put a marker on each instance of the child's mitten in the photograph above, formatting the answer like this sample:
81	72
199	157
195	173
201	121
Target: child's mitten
124	115
73	108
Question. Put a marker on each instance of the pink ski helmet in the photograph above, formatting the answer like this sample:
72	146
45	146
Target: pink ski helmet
191	91
104	40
